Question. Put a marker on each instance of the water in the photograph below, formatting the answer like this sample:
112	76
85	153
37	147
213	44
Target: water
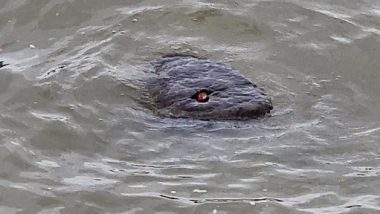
77	134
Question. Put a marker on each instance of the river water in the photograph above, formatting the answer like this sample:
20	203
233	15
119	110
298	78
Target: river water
77	134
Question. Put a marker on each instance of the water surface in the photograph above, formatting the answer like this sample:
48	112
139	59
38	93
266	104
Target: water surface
77	134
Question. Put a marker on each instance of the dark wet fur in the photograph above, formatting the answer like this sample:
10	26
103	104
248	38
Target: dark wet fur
230	95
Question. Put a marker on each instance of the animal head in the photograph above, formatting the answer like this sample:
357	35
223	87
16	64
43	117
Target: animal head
197	88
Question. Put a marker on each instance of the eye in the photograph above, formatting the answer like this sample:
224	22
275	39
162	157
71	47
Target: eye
201	96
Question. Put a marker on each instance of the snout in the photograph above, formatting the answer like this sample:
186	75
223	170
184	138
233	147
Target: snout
254	110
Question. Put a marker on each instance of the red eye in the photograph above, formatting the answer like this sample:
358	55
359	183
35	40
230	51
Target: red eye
202	97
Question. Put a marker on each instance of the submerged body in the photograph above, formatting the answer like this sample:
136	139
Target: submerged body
190	87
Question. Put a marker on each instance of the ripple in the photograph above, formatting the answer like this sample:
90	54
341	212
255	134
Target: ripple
87	181
78	135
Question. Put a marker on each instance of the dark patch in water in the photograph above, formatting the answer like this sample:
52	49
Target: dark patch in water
2	64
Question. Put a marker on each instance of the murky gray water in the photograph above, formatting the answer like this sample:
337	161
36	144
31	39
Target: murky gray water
77	136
